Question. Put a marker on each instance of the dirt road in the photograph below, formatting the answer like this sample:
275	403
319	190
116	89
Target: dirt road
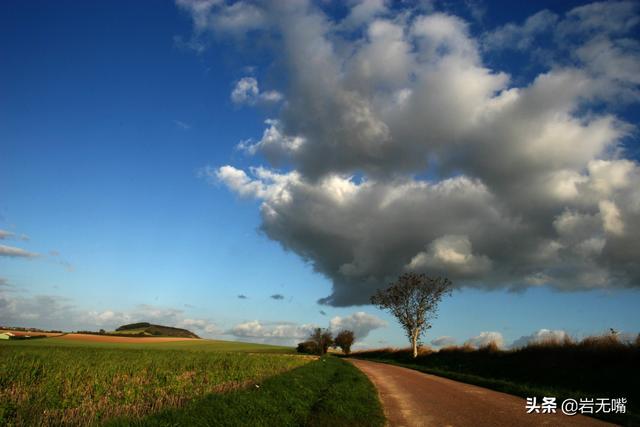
411	398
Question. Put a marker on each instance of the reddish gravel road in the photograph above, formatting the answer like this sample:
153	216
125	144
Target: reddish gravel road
411	398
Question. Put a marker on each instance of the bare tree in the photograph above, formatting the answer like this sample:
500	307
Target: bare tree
344	340
413	299
322	338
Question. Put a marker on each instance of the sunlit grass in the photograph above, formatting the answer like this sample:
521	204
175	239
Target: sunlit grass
53	381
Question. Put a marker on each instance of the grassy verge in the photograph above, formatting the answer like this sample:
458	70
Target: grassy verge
80	385
535	372
325	392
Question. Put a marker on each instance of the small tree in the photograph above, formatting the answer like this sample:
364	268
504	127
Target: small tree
322	338
344	340
413	299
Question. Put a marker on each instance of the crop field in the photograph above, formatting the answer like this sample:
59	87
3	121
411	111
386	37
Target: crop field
37	333
154	343
53	381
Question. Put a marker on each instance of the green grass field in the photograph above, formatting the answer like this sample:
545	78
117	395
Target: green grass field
325	392
52	381
201	382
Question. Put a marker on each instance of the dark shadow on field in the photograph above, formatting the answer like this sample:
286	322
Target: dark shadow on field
325	392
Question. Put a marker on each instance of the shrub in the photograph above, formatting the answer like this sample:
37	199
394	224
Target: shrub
323	340
307	347
344	340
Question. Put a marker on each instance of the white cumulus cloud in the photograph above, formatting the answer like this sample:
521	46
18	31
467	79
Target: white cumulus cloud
359	323
540	337
283	333
246	91
485	339
401	146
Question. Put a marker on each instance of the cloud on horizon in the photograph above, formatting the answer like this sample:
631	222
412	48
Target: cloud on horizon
540	337
56	312
444	341
281	333
485	339
402	149
290	333
360	323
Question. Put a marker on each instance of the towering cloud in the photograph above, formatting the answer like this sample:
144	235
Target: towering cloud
404	150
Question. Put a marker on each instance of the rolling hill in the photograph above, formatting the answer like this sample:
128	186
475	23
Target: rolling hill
151	330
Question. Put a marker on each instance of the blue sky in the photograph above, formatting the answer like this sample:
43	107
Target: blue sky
134	184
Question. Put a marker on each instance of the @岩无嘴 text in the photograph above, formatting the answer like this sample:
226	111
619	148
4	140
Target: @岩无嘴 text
601	405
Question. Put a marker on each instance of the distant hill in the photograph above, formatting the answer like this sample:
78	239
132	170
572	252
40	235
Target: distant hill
151	330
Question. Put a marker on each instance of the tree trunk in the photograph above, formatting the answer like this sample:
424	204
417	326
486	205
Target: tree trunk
414	342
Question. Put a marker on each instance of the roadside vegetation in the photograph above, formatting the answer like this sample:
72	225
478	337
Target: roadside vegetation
321	339
344	340
325	392
53	382
318	342
595	367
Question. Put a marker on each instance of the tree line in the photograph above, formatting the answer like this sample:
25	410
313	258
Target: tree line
321	339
